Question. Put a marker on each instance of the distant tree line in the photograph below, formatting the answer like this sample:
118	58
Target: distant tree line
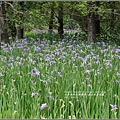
93	18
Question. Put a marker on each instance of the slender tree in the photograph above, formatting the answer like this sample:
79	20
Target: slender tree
91	33
51	17
3	26
60	19
97	21
19	29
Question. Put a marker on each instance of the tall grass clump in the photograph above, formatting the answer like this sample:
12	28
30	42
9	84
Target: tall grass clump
47	77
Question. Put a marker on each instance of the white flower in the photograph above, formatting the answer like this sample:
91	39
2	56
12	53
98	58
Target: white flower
43	106
33	94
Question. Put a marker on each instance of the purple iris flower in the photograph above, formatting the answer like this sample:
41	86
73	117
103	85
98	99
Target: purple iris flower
117	50
34	72
117	81
59	73
114	107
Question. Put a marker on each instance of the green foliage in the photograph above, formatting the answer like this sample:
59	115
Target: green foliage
109	38
36	15
71	24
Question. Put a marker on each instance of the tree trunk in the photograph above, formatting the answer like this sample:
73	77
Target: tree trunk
91	33
51	18
60	19
97	25
19	29
3	26
19	32
97	21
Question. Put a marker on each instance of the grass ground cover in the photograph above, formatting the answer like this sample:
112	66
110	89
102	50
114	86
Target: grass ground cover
45	77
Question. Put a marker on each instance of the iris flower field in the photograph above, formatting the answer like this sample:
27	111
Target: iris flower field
46	77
